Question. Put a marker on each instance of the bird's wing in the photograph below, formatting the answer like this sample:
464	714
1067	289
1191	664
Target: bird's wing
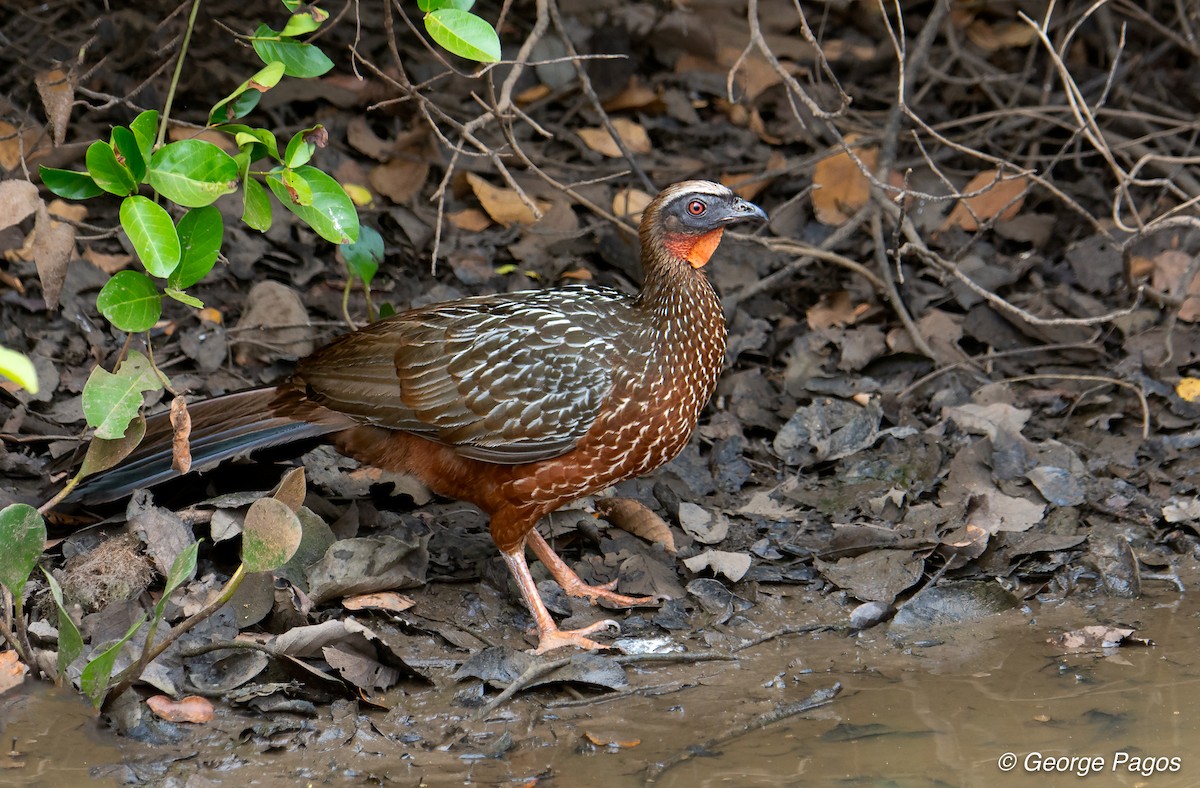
512	378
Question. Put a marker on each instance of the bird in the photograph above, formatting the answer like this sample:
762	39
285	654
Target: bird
518	403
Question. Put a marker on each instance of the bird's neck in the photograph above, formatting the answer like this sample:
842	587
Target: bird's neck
681	308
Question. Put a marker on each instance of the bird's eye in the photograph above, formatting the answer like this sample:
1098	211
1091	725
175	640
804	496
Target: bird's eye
696	207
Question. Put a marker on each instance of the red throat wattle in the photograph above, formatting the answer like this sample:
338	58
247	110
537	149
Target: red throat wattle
697	250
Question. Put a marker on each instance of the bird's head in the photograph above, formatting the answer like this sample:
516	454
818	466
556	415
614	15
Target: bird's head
686	220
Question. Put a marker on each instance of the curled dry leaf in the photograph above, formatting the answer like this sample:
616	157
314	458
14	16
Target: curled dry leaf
999	198
472	220
632	134
610	740
18	199
633	517
181	425
384	600
57	91
1168	268
505	206
190	709
840	188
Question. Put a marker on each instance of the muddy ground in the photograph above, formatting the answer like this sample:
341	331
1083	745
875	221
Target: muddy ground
957	417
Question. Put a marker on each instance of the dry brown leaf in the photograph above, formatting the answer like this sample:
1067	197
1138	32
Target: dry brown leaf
12	145
53	247
632	134
190	709
18	199
835	309
840	188
12	671
71	211
383	600
472	220
400	179
633	517
108	263
57	90
636	95
1169	268
504	205
532	94
220	139
363	139
181	426
629	203
577	274
1002	35
610	740
999	198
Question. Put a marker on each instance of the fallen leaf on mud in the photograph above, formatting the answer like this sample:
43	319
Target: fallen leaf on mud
953	603
732	565
12	671
1097	636
500	667
1181	510
994	511
988	419
388	600
356	663
363	565
632	134
840	188
610	740
701	524
505	206
401	178
190	709
1000	197
877	576
634	517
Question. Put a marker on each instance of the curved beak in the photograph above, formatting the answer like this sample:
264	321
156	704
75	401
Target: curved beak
743	210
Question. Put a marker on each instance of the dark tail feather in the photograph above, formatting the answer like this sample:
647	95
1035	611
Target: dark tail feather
223	427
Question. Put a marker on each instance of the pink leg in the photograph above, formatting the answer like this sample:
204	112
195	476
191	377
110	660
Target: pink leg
550	636
573	585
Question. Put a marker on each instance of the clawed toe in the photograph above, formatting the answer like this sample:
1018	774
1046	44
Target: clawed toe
551	639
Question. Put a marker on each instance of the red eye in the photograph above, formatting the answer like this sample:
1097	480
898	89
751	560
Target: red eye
695	207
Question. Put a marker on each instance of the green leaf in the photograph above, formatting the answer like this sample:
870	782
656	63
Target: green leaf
95	678
254	141
184	298
70	642
108	173
127	145
297	188
111	400
299	59
331	214
130	301
256	209
464	34
303	145
304	23
103	454
364	255
22	538
433	5
69	184
145	129
152	234
193	173
270	535
240	102
19	369
183	568
200	233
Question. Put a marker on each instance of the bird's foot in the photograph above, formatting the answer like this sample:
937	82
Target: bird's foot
575	587
553	637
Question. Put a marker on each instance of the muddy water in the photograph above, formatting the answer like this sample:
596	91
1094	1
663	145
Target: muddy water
958	708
